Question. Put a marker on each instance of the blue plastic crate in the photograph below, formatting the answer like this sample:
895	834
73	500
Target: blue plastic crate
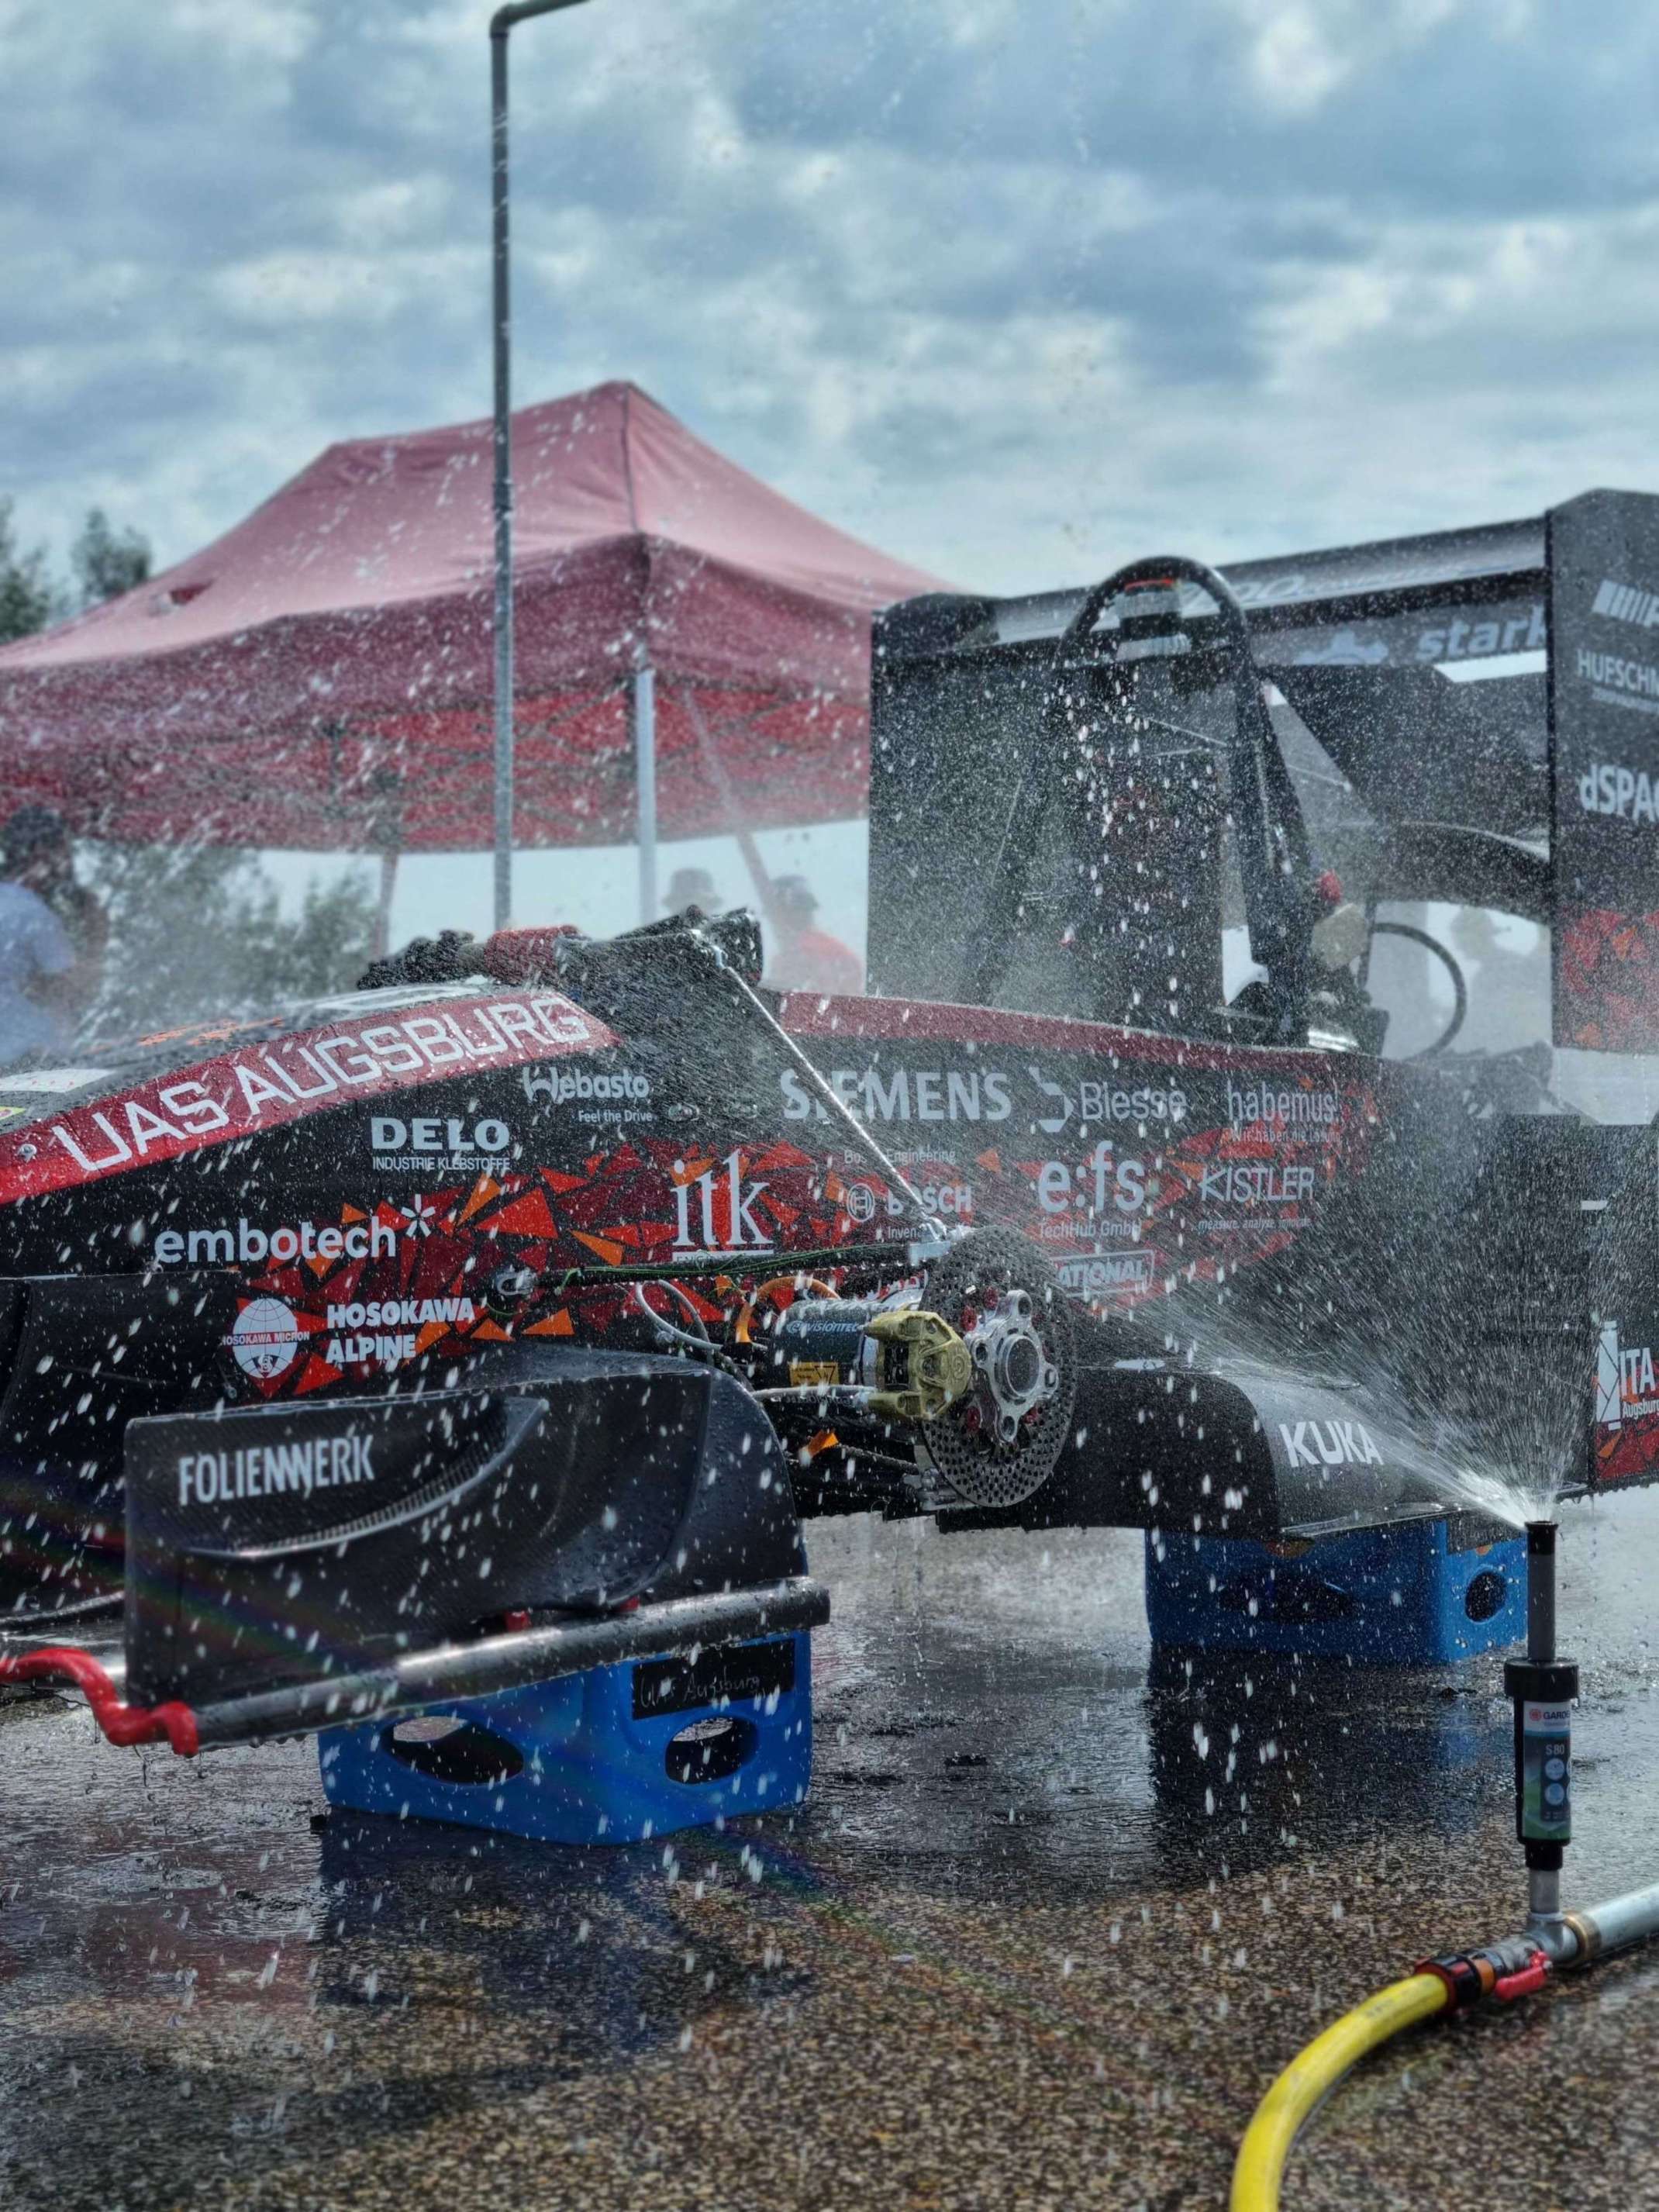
1412	1595
613	1756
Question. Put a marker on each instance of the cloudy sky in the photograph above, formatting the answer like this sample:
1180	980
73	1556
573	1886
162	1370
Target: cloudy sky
1015	286
1017	289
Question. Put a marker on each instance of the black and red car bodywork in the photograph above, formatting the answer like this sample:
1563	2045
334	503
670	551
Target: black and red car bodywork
414	1231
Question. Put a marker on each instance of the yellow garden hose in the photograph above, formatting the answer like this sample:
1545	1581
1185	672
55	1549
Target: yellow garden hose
1314	2072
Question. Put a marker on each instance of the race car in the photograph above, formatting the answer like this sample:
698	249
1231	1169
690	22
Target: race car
508	1315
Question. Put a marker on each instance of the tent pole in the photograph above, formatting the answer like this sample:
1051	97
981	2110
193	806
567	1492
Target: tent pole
500	23
383	905
643	695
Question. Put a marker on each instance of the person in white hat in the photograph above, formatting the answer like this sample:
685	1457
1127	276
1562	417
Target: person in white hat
692	887
803	956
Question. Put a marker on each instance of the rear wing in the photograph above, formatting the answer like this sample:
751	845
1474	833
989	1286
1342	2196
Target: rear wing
1486	699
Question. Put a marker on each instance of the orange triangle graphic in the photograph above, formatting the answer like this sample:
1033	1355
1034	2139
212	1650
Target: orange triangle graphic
558	1324
613	1254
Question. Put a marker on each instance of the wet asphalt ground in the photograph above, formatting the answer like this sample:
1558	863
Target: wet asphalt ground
1041	1937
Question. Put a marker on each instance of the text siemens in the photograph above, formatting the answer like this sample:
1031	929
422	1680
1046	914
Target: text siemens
903	1094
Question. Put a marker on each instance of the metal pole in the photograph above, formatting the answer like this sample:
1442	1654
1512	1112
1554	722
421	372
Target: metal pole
500	25
644	697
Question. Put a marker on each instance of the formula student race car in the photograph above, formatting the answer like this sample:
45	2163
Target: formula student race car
508	1315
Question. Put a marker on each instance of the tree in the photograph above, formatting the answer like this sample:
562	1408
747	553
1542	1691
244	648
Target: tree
105	565
28	601
198	931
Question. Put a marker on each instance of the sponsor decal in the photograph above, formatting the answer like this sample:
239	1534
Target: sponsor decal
1101	1274
287	1470
383	1332
863	1204
1626	1388
249	1246
1345	650
1095	1100
1480	641
1251	1183
1107	1178
262	1086
617	1094
1616	681
1329	1443
1626	602
265	1339
450	1143
904	1094
715	1211
1281	1113
1609	788
808	1374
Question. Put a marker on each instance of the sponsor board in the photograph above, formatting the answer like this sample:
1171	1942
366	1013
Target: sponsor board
1482	640
1626	602
1097	1098
1107	1179
267	1085
1626	1387
1290	1112
1616	681
1256	1182
1604	859
385	1333
714	1211
266	1340
614	1095
864	1203
1329	1443
248	1245
905	1094
449	1145
1106	1274
1609	788
287	1470
1345	649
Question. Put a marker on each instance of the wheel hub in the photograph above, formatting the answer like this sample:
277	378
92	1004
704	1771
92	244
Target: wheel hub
1015	1373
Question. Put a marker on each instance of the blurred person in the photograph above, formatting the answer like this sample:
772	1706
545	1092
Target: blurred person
689	887
52	934
803	956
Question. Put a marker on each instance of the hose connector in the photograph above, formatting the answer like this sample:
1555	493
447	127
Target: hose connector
1503	1971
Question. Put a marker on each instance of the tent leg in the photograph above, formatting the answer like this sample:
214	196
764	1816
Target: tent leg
644	701
383	905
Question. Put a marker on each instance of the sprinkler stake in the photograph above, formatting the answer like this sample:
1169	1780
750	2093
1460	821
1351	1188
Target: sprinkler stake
1543	1688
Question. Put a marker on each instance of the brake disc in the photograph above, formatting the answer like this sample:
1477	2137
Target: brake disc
999	1442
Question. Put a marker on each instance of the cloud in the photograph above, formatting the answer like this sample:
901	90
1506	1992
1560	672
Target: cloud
1016	289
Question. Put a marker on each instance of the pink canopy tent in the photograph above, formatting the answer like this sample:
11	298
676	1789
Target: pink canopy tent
319	677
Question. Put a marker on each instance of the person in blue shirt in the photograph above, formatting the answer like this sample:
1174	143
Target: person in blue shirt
51	937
